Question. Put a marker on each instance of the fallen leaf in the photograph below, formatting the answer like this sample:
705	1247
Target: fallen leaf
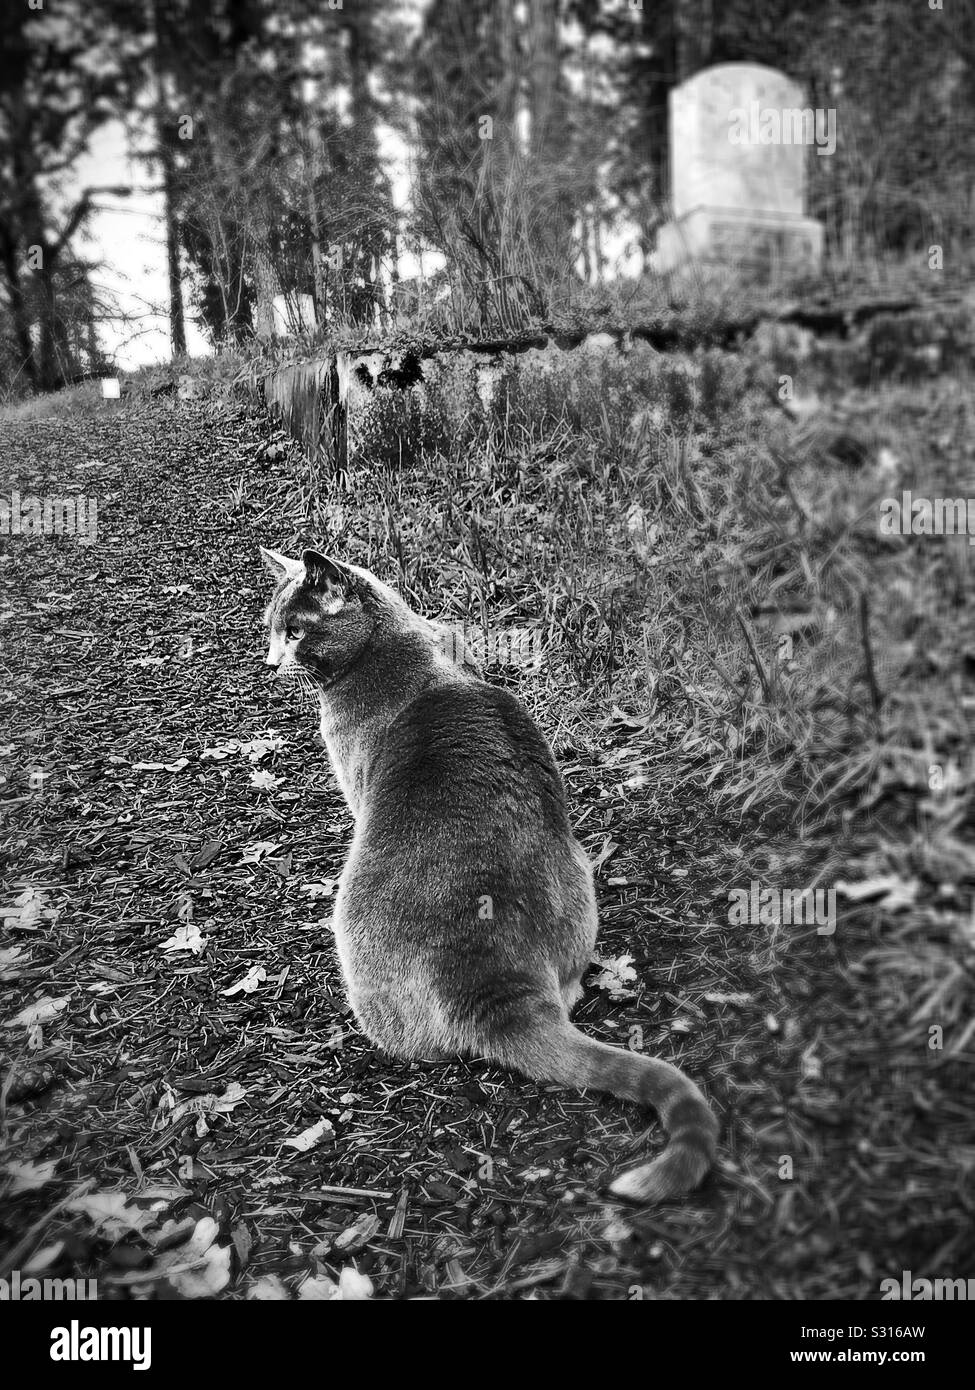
186	938
534	1174
242	1243
26	1082
320	890
357	1236
616	976
258	748
200	1268
10	959
311	1136
209	1104
893	891
609	848
254	853
110	1212
268	1289
43	1259
207	854
40	1012
353	1286
221	750
265	781
320	1289
251	981
27	1177
28	912
811	1064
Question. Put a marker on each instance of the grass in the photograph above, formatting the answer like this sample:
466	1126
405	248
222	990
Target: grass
58	405
710	584
743	680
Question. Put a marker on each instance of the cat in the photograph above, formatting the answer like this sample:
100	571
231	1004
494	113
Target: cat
465	915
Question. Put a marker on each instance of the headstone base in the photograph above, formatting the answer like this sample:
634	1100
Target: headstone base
762	242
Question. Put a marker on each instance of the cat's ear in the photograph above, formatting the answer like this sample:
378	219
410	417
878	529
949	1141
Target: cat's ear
278	565
323	574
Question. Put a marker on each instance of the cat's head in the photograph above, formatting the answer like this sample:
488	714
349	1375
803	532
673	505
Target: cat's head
320	617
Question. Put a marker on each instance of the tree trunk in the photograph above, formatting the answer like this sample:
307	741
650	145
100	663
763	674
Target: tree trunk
544	72
695	36
265	288
320	290
177	325
506	100
51	374
18	312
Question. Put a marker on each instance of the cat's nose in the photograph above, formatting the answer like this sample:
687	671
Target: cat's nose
276	651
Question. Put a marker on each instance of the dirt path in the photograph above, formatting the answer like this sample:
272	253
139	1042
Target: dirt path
138	824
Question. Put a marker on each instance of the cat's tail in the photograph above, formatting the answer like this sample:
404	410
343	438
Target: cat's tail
550	1049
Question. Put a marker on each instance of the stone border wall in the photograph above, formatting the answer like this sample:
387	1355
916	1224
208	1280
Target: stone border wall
317	400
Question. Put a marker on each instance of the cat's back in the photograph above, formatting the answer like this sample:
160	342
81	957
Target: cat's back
465	749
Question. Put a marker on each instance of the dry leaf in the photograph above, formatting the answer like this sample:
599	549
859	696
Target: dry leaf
357	1236
892	891
311	1136
11	957
27	1177
320	890
616	976
209	1104
200	1268
35	1014
321	1290
250	982
268	1289
28	912
353	1286
259	748
43	1259
265	781
110	1213
186	938
255	852
609	848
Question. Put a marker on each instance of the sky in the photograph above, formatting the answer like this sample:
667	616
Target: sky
127	235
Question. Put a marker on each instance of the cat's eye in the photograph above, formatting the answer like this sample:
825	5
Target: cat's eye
293	634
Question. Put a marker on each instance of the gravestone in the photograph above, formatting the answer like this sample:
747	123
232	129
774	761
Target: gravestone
291	314
739	144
